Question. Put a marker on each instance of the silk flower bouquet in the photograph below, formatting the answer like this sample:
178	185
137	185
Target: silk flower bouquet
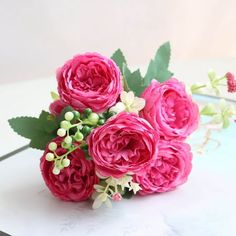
112	133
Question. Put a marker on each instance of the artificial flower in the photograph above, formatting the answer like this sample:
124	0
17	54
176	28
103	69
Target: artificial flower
169	170
170	110
56	107
125	143
231	82
129	103
89	81
73	183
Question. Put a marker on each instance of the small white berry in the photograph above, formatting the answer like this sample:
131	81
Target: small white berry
66	162
69	116
55	171
68	140
52	146
50	156
61	132
65	124
93	118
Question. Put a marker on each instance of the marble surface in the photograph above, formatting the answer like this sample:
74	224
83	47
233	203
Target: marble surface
205	205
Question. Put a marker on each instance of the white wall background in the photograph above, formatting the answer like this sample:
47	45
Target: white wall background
38	36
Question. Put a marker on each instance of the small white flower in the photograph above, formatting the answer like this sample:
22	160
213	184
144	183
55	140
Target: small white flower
124	182
119	107
135	187
129	103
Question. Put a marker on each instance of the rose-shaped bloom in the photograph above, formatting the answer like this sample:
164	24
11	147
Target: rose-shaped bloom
56	107
125	143
89	81
169	170
170	109
75	182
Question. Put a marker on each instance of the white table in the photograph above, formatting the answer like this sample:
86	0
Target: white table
205	205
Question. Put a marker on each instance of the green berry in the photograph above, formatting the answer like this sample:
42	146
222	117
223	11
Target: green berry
55	171
76	114
87	111
93	118
66	162
86	130
66	145
68	140
50	156
69	116
65	124
78	136
101	122
52	146
61	132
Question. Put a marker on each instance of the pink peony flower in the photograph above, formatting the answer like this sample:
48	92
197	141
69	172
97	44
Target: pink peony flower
169	170
170	109
231	82
56	107
125	143
74	183
89	81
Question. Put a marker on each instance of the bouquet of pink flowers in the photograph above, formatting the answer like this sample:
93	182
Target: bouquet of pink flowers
111	132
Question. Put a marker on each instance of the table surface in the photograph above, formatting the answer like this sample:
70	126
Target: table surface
205	205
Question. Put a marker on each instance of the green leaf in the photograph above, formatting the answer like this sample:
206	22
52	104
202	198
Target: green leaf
135	82
118	58
33	129
162	57
126	73
158	67
25	126
48	122
54	96
39	130
151	73
41	140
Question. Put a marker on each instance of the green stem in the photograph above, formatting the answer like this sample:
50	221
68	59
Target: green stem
66	154
199	87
